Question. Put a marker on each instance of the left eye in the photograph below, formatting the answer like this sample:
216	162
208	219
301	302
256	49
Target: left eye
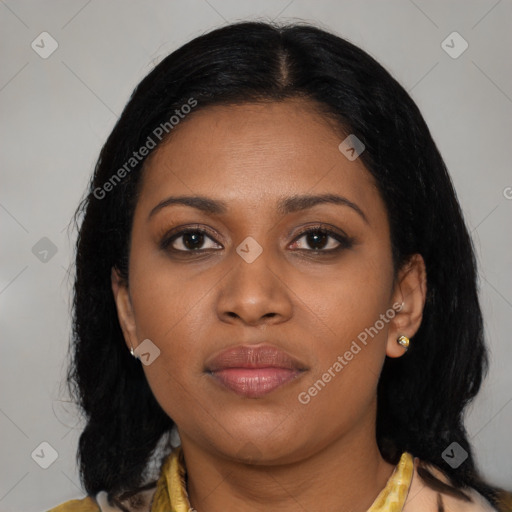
318	240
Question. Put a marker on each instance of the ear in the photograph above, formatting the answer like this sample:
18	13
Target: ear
411	290
124	308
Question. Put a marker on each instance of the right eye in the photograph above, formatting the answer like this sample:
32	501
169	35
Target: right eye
189	240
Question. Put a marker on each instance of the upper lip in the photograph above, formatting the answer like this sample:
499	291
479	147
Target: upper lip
253	356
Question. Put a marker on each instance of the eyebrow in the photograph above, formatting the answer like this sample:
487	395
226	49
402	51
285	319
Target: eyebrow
284	206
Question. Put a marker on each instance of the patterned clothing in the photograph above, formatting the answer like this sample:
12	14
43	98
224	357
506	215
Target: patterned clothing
404	492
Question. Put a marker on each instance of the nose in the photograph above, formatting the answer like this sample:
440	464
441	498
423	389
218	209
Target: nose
254	293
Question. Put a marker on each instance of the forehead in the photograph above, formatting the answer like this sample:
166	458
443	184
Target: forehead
254	154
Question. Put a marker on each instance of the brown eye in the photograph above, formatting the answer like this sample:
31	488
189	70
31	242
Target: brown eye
190	240
322	240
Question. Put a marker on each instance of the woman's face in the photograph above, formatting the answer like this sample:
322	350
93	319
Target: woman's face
246	277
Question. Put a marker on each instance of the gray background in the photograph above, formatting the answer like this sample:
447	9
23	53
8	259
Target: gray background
57	112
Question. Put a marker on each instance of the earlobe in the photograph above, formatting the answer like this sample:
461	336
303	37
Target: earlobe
411	290
124	308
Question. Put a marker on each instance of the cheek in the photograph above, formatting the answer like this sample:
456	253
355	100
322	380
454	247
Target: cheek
348	310
170	321
174	311
167	301
348	298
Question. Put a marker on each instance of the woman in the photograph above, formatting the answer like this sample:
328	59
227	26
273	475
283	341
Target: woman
271	232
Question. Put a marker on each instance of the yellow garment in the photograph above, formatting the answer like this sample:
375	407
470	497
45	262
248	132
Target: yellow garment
390	499
171	492
84	505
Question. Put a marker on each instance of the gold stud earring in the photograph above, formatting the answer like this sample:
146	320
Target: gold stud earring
403	341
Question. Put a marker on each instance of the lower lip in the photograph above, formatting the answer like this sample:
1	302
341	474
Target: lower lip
254	382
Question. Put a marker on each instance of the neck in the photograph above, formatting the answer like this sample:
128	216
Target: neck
346	475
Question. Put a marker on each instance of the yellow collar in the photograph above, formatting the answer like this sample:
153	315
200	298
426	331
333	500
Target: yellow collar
392	497
171	492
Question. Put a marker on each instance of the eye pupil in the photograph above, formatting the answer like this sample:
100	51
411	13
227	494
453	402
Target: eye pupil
196	240
317	237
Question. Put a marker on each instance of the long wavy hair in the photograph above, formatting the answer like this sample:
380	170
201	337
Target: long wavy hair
421	396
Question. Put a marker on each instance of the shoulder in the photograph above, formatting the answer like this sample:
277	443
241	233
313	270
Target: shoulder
140	501
84	505
88	504
422	498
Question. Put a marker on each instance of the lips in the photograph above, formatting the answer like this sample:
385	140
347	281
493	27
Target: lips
253	371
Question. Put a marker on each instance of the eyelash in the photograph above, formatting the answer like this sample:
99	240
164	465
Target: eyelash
345	242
